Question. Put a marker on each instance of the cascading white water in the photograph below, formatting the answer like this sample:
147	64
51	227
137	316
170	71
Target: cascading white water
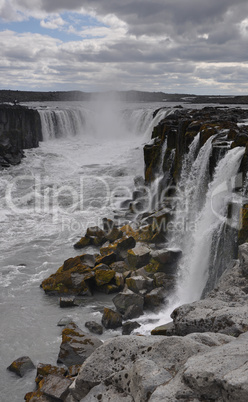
195	263
57	123
191	193
108	120
199	224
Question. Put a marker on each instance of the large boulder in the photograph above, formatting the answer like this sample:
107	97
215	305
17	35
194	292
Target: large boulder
123	363
139	256
111	319
221	372
73	277
103	274
154	298
127	298
167	259
138	283
223	310
211	315
76	345
129	326
124	244
94	327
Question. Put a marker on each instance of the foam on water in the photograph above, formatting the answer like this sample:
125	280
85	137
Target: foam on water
46	203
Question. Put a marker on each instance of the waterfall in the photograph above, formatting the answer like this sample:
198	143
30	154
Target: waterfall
203	241
191	193
57	123
99	120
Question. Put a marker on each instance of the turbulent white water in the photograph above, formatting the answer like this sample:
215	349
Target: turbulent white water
80	173
209	221
200	218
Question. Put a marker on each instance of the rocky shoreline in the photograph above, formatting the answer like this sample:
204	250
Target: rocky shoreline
202	354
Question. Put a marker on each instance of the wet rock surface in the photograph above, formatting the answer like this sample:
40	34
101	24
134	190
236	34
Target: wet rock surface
20	128
76	345
21	366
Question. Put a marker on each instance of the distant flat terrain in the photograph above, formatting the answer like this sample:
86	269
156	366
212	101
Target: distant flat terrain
135	96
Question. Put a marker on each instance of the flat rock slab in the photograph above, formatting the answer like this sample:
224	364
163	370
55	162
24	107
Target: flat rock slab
211	315
56	387
221	373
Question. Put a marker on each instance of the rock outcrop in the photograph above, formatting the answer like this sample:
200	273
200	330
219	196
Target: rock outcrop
20	128
225	309
137	366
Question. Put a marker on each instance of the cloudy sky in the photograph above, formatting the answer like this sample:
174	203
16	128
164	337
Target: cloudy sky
174	46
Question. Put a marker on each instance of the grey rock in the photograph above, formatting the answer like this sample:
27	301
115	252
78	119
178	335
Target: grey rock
67	302
166	256
125	244
119	266
129	327
138	283
64	322
127	298
154	298
111	319
174	391
139	256
166	329
76	345
221	372
137	382
168	282
104	393
56	387
168	259
211	315
117	356
133	311
21	366
143	385
94	327
243	258
88	259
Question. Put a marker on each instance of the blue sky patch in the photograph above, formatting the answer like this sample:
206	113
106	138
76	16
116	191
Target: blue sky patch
78	21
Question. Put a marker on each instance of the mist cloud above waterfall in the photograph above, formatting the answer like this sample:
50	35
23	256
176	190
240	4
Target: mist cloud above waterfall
192	46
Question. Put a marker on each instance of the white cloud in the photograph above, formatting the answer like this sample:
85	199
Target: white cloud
168	45
53	22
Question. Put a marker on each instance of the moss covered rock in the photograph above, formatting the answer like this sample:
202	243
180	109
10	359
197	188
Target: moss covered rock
73	277
243	230
111	319
103	276
139	256
21	366
76	345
